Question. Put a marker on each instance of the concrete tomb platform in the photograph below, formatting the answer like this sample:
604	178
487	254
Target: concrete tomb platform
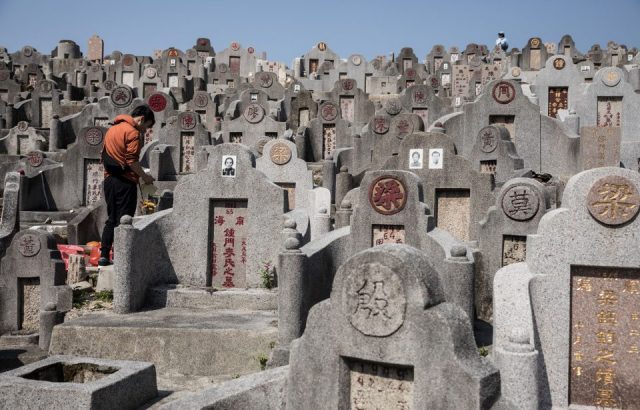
68	382
179	296
181	341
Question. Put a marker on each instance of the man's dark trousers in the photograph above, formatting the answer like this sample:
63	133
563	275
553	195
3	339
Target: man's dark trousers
121	197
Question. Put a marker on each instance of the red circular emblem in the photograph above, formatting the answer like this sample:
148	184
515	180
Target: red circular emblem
157	102
35	158
387	195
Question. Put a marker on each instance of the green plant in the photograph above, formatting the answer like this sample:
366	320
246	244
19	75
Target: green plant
483	351
80	298
272	344
262	359
267	273
235	376
104	295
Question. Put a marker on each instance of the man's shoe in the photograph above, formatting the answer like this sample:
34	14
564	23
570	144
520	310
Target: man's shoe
104	261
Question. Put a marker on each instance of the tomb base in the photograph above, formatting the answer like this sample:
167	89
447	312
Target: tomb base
199	342
177	296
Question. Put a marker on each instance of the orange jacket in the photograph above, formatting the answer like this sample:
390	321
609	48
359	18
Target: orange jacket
122	143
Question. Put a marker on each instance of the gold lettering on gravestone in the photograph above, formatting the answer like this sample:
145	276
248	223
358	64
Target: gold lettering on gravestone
94	176
453	212
383	234
514	249
605	337
558	100
380	386
613	200
229	231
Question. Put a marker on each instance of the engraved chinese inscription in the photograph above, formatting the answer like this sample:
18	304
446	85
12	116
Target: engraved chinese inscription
94	175
613	200
514	249
382	234
187	153
380	386
374	300
605	337
520	203
229	243
280	153
387	195
29	244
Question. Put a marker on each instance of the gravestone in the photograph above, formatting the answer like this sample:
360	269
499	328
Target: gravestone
327	132
353	102
534	54
31	276
575	298
558	85
421	99
517	211
609	102
362	342
600	147
95	49
495	154
280	163
458	194
544	144
232	214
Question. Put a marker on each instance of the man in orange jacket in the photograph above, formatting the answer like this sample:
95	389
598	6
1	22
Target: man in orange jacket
122	169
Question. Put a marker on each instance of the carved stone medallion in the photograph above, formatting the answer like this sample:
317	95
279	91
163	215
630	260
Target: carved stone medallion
374	300
387	195
329	111
157	102
504	92
280	153
254	113
29	244
613	200
93	136
520	203
489	137
35	158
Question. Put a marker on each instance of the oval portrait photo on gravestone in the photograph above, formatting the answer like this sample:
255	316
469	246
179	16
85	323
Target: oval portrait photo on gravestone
228	165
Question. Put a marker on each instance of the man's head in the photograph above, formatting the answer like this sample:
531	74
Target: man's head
143	117
501	34
228	162
435	156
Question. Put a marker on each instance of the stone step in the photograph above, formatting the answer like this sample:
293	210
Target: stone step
196	342
206	298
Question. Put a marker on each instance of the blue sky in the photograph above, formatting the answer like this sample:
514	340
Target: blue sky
287	29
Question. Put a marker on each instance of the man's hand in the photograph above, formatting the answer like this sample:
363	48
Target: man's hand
148	179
